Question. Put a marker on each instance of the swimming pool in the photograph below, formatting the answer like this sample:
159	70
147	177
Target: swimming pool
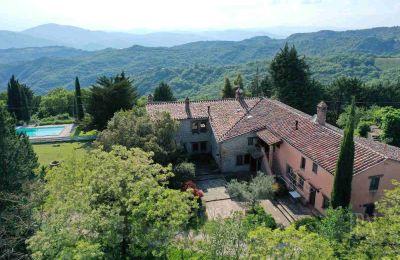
41	131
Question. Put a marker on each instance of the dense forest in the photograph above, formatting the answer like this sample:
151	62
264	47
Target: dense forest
198	69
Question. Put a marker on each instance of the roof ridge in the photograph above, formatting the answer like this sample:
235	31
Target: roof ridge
331	128
241	118
199	101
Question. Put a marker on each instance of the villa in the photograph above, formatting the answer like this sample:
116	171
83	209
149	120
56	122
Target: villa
251	134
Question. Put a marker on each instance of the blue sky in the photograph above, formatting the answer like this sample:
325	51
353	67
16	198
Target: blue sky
122	15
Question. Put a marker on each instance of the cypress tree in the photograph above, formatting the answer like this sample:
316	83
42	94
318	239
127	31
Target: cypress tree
13	99
341	192
163	93
78	100
227	91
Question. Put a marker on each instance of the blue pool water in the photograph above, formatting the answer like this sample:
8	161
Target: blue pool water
41	131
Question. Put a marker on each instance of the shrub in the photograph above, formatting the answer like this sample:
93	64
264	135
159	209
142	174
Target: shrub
183	171
311	224
192	186
258	217
363	128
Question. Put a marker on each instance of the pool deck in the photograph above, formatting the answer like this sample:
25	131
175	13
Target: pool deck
68	128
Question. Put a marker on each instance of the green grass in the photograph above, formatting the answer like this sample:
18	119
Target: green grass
387	63
60	151
79	132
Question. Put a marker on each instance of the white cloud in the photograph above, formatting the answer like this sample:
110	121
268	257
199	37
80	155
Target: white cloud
205	14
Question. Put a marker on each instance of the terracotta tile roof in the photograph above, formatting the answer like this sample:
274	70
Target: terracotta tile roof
319	143
268	137
273	120
224	113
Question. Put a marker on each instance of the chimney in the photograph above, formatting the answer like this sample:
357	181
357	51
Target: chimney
297	125
187	107
322	108
150	98
239	94
208	110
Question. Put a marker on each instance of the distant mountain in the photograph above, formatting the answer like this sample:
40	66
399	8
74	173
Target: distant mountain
198	68
76	37
10	39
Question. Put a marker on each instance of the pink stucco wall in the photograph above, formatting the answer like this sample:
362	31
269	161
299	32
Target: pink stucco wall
323	180
361	195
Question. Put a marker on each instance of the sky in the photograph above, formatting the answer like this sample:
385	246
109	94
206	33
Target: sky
167	15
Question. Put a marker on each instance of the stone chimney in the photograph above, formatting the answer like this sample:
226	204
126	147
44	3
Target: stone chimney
239	94
150	98
322	108
187	107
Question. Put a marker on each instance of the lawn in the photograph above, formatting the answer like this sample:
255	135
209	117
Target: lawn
60	151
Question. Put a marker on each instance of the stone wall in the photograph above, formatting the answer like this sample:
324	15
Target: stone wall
233	147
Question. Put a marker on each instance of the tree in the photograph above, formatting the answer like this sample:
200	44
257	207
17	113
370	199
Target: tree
255	86
291	79
135	128
342	89
290	243
238	82
78	100
17	164
390	125
19	99
341	192
163	93
115	205
108	96
259	187
266	86
58	101
228	91
380	238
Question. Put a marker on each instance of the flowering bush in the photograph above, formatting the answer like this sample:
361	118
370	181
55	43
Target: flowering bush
195	190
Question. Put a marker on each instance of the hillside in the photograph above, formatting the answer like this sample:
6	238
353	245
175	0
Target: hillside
75	37
198	68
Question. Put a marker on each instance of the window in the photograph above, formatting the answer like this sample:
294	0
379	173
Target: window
374	184
195	127
303	163
315	168
247	158
195	147
243	159
199	127
300	184
239	160
252	140
291	175
203	126
325	202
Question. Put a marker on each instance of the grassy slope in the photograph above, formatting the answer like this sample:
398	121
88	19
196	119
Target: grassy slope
60	152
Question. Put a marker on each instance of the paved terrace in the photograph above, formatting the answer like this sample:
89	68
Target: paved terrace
219	204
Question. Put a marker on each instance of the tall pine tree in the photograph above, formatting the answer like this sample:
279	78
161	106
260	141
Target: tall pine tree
341	192
17	102
163	93
291	79
228	91
78	100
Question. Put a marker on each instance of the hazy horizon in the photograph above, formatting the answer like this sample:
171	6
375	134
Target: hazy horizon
193	16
